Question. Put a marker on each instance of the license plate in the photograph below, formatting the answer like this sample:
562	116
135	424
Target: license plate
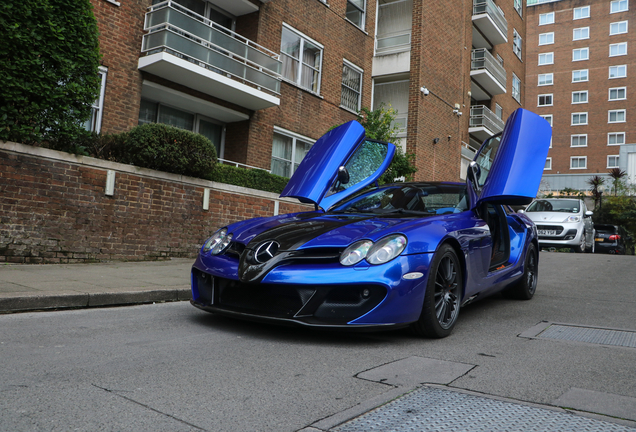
547	232
598	239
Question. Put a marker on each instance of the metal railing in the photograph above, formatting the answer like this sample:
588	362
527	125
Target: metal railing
490	8
481	59
534	2
481	116
185	34
238	164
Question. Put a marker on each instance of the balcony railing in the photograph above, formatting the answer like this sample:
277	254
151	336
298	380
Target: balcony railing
497	17
481	116
481	59
177	30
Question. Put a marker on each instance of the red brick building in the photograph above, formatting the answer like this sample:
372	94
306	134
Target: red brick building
580	65
264	79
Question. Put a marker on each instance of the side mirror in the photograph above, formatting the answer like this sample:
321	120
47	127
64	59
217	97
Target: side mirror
474	172
343	175
521	211
589	213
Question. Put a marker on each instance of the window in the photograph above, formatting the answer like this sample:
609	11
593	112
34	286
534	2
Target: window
516	43
581	12
302	60
581	33
393	26
618	93
545	100
618	6
546	38
548	118
579	97
518	7
580	54
499	111
618	49
548	164
351	87
288	150
94	122
356	12
618	71
618	28
546	59
616	138
578	162
579	119
546	79
612	161
578	141
616	116
546	18
579	75
516	88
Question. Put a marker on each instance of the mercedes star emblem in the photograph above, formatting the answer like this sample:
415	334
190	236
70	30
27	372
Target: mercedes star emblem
266	251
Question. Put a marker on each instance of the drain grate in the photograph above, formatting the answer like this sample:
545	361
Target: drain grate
435	409
590	335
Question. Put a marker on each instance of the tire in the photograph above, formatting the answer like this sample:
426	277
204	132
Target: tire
527	285
581	247
442	297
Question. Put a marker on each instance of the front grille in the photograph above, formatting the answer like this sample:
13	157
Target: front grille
235	249
557	228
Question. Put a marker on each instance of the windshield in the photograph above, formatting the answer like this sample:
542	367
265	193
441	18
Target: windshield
415	199
560	205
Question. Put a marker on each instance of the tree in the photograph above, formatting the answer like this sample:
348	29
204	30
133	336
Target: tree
49	59
596	182
617	174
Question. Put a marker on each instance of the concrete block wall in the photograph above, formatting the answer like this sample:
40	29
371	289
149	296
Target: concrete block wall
53	209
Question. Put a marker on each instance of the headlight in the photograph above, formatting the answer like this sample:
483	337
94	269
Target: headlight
218	242
386	249
574	219
355	253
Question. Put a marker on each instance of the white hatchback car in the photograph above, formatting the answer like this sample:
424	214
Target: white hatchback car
563	223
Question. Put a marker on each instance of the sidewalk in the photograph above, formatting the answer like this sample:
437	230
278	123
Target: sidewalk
27	287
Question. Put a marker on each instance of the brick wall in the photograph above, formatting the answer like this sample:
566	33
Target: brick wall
53	209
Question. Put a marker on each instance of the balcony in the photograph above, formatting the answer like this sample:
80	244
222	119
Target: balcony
488	76
484	123
186	48
489	24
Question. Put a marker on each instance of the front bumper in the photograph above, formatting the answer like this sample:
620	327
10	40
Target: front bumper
567	234
320	295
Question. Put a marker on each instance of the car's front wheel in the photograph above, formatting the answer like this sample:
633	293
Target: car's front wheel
442	297
581	247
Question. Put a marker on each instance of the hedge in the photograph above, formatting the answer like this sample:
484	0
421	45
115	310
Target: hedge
251	178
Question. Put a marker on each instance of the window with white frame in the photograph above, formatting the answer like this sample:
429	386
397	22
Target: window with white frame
578	162
94	122
616	138
546	18
516	88
612	161
580	75
302	59
546	38
618	93
516	43
546	79
288	150
618	71
518	7
356	12
618	49
546	59
579	54
351	87
616	116
581	33
581	12
545	100
578	140
579	119
499	111
548	118
579	97
619	27
548	164
618	6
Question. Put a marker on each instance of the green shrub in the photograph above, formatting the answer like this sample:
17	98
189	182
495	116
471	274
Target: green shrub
165	148
251	178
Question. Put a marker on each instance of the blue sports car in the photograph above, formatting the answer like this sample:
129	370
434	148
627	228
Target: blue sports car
383	256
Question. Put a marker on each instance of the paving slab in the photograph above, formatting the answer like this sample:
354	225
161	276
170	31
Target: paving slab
416	370
598	402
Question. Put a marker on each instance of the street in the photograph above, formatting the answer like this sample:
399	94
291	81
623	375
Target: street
171	367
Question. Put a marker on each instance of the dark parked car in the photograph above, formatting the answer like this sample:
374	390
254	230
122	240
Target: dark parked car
613	239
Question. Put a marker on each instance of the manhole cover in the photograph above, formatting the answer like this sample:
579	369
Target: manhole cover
591	335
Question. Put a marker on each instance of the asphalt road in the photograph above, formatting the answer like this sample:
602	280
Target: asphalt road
171	367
